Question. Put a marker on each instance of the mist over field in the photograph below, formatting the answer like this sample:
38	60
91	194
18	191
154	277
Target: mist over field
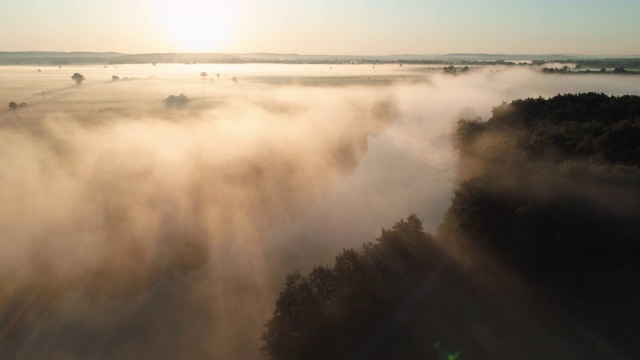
140	229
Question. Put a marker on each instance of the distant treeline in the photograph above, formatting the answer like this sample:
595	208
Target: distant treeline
578	70
629	63
86	58
550	188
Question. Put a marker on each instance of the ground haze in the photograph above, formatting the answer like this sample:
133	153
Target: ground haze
138	226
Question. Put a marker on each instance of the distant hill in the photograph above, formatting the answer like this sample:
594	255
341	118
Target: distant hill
56	58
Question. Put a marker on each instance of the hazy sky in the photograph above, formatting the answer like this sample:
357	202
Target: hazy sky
364	27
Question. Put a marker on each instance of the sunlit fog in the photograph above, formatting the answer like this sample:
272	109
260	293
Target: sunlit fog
152	211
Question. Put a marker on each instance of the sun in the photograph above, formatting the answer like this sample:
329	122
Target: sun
197	26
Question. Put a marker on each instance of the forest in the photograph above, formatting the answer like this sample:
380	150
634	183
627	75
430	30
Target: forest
536	256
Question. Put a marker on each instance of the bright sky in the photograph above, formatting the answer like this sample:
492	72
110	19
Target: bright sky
359	27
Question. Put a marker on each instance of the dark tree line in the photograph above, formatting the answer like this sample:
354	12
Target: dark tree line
548	187
560	184
567	70
330	312
551	187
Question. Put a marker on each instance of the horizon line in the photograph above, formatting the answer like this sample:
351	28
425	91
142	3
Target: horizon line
320	54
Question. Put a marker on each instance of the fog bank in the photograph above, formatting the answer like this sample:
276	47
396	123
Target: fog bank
136	230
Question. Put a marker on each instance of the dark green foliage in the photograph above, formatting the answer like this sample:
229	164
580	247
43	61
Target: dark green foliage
574	125
551	187
558	176
327	314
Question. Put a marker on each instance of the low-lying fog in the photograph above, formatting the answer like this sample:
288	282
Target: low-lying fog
134	228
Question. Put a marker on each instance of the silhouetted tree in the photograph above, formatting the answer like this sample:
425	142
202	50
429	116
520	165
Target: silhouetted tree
78	78
204	75
449	70
620	70
12	105
176	101
115	78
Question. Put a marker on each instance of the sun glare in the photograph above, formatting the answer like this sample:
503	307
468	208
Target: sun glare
197	26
